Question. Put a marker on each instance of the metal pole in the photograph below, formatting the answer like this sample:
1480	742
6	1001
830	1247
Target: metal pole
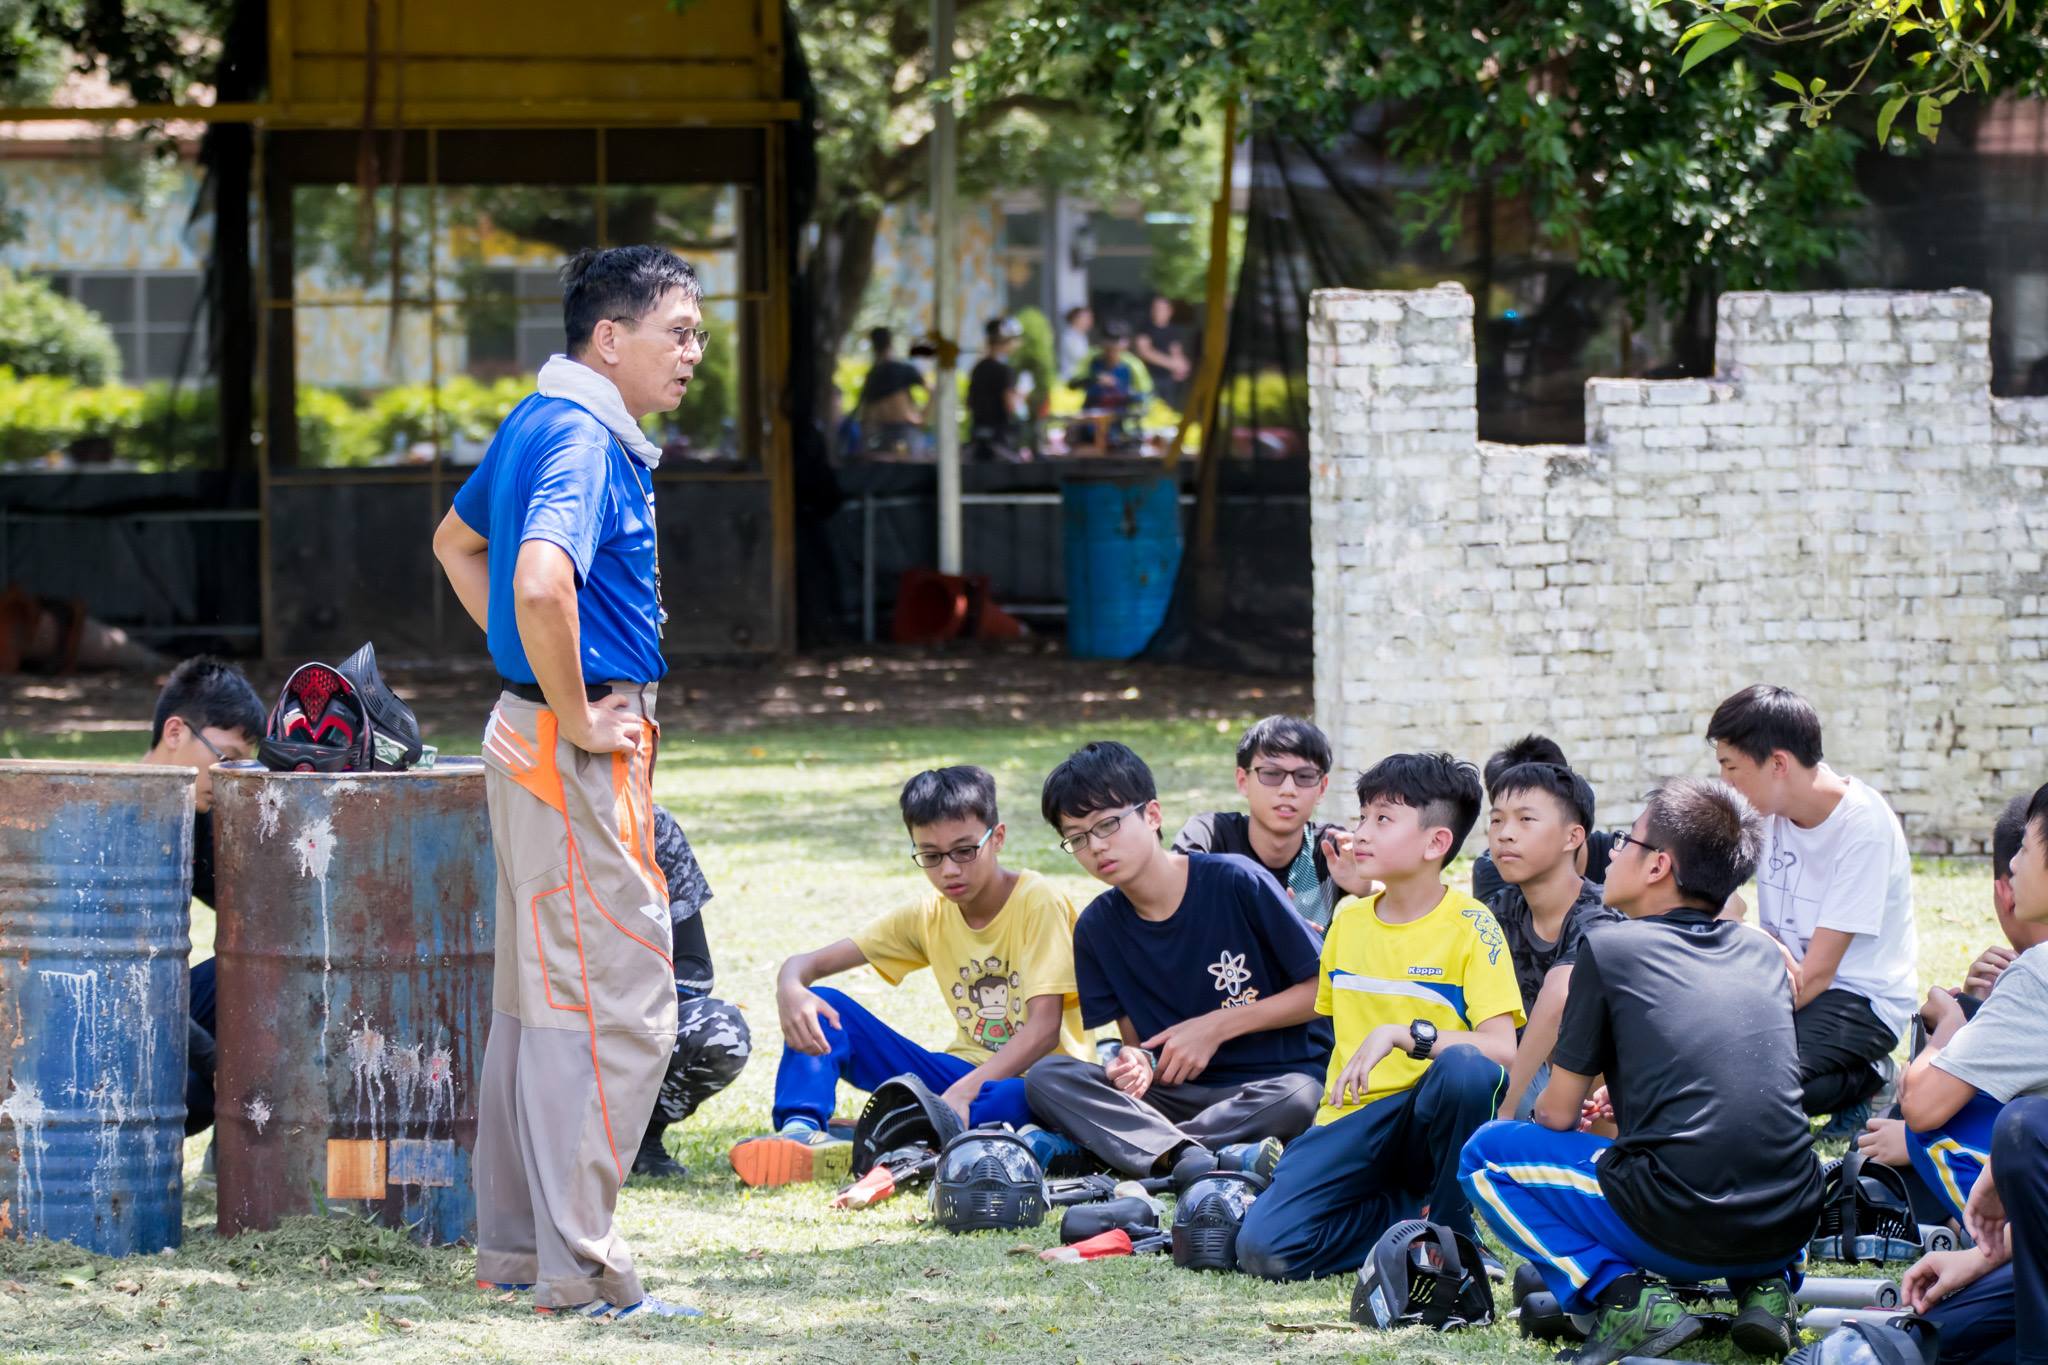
946	287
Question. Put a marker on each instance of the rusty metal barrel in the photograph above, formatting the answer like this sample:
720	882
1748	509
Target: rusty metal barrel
95	926
355	945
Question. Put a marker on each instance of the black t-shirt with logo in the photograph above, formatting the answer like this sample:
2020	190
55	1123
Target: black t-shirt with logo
1690	1020
1234	941
1535	956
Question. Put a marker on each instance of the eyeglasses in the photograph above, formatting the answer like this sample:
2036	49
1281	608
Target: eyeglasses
1304	777
1622	839
961	856
200	735
1102	829
685	338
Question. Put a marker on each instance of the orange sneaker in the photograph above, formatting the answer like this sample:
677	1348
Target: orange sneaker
798	1154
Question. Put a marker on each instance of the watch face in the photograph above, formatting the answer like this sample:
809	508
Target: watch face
1424	1030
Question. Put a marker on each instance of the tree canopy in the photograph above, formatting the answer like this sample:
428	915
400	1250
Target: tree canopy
1916	55
1577	107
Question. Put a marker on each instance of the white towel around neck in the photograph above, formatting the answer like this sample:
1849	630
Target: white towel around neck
562	377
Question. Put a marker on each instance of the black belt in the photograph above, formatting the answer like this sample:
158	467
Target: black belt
531	691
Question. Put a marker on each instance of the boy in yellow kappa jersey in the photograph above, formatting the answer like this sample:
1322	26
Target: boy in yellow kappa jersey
1420	984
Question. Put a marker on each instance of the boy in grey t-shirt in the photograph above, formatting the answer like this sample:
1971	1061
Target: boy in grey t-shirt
1972	1068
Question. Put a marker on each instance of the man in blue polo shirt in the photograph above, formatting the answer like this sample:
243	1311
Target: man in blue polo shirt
583	1001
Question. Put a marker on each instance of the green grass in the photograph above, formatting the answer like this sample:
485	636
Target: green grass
798	833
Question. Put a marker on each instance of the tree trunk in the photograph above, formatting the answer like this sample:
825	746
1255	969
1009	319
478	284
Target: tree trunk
840	268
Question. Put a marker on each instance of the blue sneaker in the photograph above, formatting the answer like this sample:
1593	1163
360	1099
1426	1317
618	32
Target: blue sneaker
1058	1155
502	1287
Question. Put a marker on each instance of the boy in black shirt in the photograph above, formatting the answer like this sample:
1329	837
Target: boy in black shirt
1283	772
1712	1171
1536	835
1207	972
206	714
1592	855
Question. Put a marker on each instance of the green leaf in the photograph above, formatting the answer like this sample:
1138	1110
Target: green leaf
1789	82
1707	44
1885	116
1927	117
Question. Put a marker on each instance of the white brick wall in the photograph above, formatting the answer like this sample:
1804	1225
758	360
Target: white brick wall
1843	509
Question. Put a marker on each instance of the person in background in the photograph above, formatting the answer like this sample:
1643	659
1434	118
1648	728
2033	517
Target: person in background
994	398
1076	341
1164	346
207	713
890	411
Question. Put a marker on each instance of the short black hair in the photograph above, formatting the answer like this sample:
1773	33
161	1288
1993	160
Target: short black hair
2006	836
2037	814
962	792
619	282
1103	775
1284	737
1441	789
208	693
1076	311
1572	792
1712	835
1761	719
1116	330
1527	749
880	339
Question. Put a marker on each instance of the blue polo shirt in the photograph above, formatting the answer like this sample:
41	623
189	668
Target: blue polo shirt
555	473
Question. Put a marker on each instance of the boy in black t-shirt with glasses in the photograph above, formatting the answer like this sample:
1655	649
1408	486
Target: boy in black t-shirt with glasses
1283	773
1208	974
1711	1173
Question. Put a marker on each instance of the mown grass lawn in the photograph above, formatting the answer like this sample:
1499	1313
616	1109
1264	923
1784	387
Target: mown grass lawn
798	832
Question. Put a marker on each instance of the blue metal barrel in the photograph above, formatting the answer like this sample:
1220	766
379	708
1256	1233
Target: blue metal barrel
355	947
1122	545
95	925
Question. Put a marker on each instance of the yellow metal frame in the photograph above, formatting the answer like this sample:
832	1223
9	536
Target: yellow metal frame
290	110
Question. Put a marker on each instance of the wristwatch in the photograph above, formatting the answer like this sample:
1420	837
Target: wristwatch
1424	1034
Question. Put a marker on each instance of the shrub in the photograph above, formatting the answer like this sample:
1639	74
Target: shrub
43	333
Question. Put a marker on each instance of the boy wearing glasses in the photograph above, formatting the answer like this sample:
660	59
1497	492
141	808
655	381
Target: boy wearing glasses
1206	971
1418	981
1000	945
1283	770
1710	1173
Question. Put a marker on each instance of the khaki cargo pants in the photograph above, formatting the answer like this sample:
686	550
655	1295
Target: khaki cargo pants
583	1004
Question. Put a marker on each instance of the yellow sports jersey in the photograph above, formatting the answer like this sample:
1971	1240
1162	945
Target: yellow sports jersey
987	976
1450	967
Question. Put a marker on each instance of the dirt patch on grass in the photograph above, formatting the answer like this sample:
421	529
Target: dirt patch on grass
883	687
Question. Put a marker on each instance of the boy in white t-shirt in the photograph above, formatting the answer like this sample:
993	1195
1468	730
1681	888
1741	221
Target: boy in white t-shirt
1835	887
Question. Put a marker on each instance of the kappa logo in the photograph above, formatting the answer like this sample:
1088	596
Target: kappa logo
1425	971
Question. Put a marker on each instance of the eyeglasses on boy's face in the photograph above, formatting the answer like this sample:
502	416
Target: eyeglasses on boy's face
961	856
1623	838
1304	777
1101	830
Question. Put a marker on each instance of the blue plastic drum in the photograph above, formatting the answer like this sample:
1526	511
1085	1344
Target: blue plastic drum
1123	546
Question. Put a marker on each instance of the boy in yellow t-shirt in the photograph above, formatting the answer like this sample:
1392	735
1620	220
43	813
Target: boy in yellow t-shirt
1001	945
1420	985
